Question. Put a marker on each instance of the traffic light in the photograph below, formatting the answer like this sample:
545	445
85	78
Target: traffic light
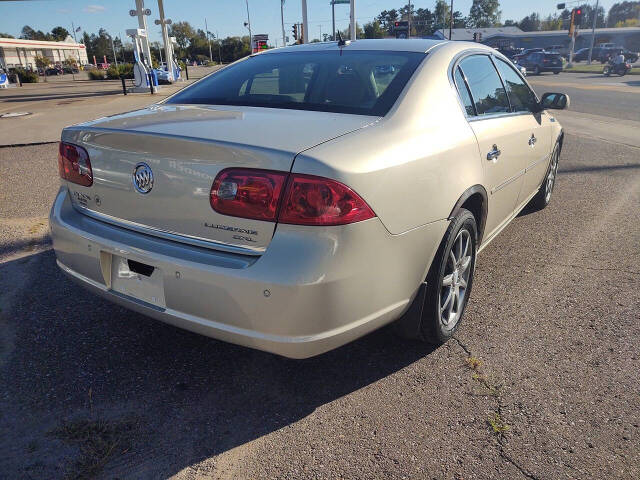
560	6
295	31
578	17
401	29
301	39
475	36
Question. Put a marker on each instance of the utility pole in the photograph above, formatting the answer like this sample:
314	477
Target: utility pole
451	19
206	31
409	14
305	23
320	32
352	19
333	20
284	38
593	32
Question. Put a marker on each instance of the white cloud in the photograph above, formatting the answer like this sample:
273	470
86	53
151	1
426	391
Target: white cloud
93	9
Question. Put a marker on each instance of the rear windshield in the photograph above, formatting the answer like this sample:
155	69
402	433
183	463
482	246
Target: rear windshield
552	56
360	82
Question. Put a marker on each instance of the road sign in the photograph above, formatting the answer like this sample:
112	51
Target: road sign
338	2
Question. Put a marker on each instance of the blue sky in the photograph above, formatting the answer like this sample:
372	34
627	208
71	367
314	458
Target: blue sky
224	16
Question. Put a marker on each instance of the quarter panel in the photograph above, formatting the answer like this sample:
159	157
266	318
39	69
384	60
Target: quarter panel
411	166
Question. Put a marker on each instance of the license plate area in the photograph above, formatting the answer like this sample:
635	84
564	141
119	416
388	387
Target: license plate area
138	280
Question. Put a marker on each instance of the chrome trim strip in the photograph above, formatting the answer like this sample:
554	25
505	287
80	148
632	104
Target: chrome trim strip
534	164
508	181
169	235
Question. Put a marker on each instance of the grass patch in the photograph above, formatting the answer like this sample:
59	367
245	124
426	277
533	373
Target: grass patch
595	68
98	441
498	425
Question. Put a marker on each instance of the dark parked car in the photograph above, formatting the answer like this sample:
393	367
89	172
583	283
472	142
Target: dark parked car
538	62
70	70
52	71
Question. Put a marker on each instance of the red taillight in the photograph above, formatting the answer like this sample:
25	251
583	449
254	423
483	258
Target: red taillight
313	200
307	199
246	193
74	164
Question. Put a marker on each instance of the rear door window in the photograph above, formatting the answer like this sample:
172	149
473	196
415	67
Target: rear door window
520	95
488	93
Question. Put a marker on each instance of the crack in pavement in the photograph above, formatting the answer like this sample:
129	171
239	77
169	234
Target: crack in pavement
499	409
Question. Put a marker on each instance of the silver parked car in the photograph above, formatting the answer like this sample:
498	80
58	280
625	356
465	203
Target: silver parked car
303	197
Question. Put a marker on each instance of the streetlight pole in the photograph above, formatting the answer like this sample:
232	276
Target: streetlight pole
593	32
451	19
284	38
352	19
409	14
206	31
249	27
333	20
305	23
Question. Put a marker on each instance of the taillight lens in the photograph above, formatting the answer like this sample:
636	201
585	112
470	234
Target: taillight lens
311	200
248	193
74	164
306	200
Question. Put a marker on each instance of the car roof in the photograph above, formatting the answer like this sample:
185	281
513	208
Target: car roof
390	44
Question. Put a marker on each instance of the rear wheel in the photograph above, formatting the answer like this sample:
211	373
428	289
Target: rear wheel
439	306
536	70
543	197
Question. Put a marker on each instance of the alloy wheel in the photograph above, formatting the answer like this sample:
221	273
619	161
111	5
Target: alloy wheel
551	176
455	282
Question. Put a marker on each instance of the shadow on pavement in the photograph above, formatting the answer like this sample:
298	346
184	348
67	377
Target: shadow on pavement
191	397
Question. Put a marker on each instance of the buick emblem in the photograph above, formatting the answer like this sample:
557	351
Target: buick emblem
143	178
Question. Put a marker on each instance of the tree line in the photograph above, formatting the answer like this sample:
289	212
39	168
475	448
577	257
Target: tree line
486	14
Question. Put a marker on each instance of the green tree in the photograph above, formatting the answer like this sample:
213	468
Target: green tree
5	35
619	12
510	23
374	30
387	19
59	34
530	23
551	22
183	31
484	14
28	33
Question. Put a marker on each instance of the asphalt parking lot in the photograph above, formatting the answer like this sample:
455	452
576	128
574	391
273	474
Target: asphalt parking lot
541	381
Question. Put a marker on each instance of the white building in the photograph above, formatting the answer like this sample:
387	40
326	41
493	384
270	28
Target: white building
16	52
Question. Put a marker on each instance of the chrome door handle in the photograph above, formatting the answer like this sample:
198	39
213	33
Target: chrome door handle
532	140
493	154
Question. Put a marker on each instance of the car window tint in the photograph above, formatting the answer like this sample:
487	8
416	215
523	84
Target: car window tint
463	92
520	95
486	88
359	82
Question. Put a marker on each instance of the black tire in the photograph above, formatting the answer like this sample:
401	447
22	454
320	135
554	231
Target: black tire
425	320
556	73
543	197
536	70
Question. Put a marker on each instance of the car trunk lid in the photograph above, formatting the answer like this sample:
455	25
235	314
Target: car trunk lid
186	147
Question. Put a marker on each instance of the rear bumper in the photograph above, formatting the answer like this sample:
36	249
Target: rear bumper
314	289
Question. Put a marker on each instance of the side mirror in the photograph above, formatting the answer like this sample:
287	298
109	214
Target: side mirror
556	101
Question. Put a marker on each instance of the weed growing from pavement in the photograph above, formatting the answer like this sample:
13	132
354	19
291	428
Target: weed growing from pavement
98	441
497	424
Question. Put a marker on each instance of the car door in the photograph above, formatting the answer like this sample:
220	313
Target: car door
499	135
533	127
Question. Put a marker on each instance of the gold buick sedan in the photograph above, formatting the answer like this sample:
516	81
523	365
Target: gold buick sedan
302	197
